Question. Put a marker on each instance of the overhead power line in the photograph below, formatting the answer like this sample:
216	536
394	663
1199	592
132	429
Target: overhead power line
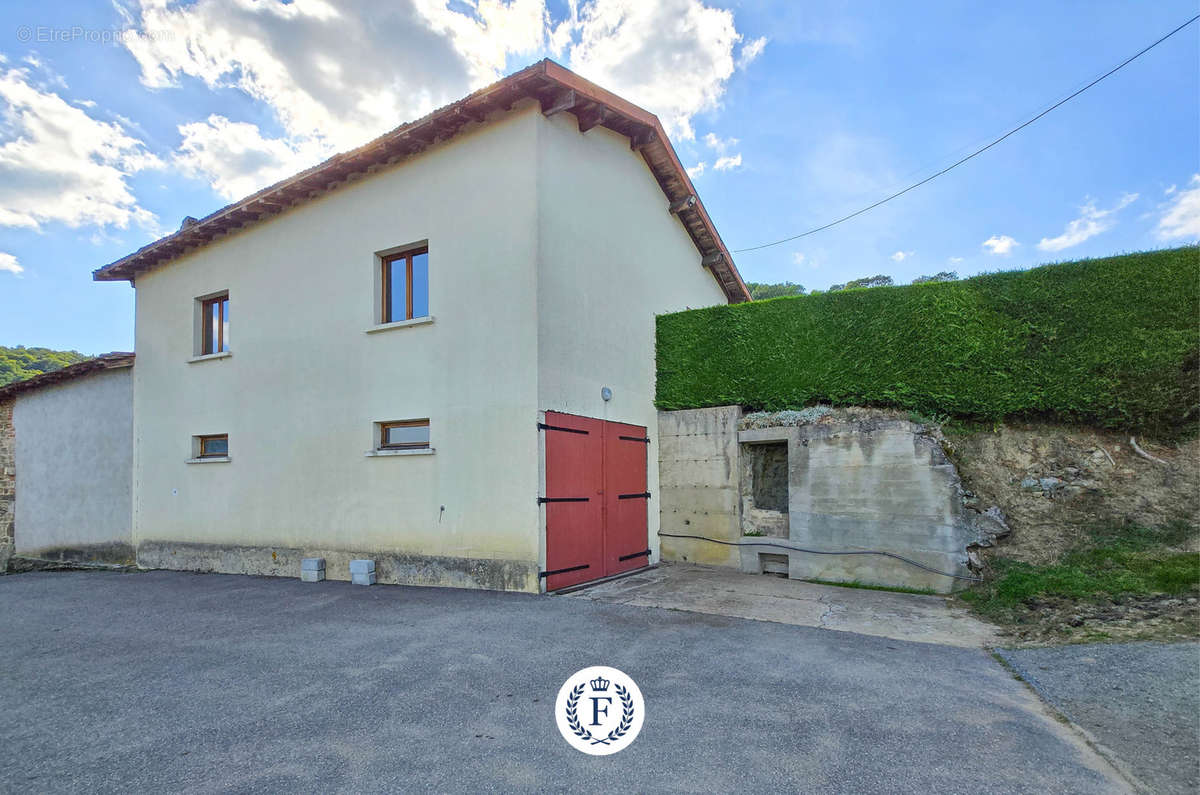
978	151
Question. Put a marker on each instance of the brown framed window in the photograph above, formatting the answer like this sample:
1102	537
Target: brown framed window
213	446
404	435
214	314
405	285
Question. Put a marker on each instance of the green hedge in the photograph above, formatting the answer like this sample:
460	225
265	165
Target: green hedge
1114	341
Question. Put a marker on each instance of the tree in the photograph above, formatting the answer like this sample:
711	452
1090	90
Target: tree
941	276
867	281
759	291
19	363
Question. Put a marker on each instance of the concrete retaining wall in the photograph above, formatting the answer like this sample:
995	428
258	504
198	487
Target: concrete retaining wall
699	484
859	481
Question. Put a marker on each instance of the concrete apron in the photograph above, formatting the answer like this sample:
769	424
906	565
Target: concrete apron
720	591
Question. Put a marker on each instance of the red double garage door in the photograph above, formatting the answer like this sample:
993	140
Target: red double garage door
596	498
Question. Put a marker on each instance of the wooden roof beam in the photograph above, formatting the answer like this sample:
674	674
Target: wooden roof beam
641	140
473	114
592	117
558	102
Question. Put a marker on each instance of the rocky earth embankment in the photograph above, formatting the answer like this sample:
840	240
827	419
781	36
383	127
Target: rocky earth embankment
1065	493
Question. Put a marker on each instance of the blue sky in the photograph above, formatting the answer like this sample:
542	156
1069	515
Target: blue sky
118	119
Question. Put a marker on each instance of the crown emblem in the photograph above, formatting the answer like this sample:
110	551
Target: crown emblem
599	684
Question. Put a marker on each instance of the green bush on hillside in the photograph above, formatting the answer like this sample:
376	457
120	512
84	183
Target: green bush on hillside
1111	341
19	363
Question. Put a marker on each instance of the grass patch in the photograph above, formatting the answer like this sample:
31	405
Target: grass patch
1113	561
867	587
1136	538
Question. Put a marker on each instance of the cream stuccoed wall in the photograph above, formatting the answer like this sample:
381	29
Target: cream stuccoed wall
304	383
611	258
74	465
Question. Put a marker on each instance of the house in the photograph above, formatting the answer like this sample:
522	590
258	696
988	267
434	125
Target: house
435	350
66	463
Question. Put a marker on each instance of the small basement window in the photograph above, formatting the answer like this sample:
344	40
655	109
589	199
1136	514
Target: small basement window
212	446
404	435
405	285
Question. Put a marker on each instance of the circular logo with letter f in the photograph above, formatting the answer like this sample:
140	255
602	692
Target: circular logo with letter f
599	710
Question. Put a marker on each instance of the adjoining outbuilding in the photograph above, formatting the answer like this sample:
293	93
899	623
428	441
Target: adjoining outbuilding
66	463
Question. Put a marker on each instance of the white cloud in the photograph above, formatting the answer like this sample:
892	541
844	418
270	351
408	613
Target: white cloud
672	57
954	260
719	145
1000	244
336	75
750	51
1170	190
1091	222
696	170
58	164
900	256
724	161
797	258
485	39
1181	219
728	162
9	264
236	159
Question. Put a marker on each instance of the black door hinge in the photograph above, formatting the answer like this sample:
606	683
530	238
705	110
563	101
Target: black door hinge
563	571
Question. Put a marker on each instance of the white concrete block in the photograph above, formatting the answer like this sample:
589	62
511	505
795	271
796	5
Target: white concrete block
311	575
312	564
363	579
362	566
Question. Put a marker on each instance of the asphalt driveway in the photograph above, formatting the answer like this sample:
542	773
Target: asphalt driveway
1141	701
172	681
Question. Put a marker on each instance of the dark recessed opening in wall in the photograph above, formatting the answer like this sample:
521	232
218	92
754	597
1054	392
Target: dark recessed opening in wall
769	472
775	565
764	489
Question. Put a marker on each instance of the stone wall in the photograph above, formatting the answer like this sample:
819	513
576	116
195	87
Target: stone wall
8	481
868	485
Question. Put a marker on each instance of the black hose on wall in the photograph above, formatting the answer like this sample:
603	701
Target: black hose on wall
790	548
